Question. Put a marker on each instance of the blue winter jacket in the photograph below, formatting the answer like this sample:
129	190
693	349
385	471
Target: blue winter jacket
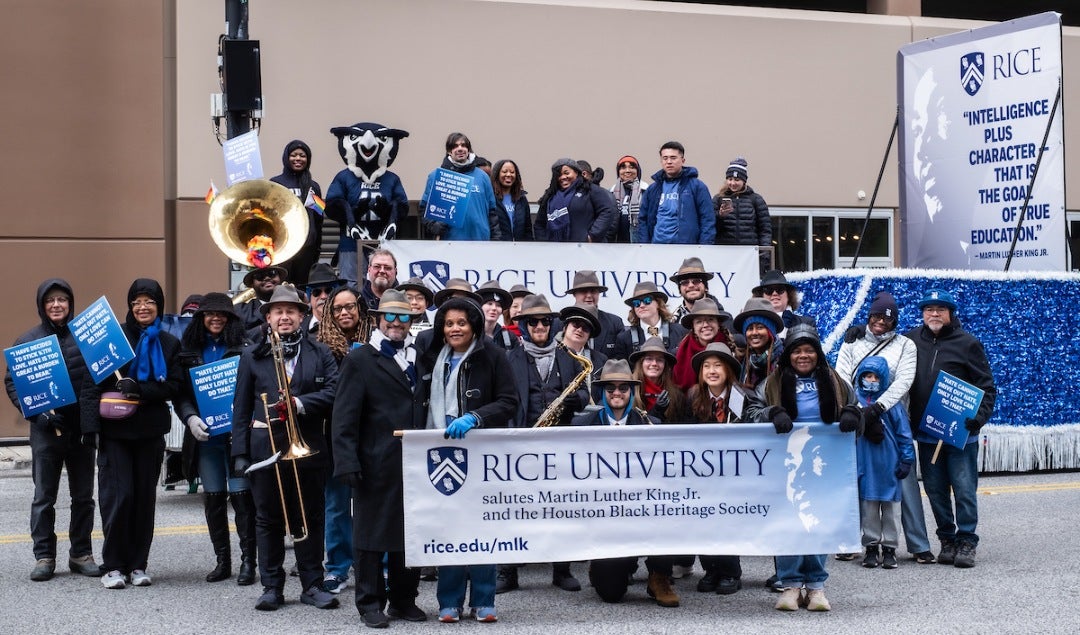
475	225
696	222
878	461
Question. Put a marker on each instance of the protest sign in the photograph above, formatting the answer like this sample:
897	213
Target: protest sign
556	494
101	340
952	402
214	385
447	193
40	375
243	160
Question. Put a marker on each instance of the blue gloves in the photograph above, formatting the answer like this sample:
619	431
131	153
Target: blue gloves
902	470
458	427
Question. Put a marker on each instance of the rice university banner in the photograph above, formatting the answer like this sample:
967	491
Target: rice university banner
974	108
554	494
549	268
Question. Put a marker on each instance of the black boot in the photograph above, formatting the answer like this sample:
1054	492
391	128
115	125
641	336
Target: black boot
216	507
562	578
507	580
244	506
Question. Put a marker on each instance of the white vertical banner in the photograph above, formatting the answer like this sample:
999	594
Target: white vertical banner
974	111
580	493
549	268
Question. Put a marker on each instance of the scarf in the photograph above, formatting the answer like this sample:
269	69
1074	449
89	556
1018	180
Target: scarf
684	374
443	400
630	202
558	213
149	362
543	357
403	353
460	167
649	393
290	344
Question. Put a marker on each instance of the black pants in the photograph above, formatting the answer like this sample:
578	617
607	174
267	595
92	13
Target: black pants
51	454
128	471
371	587
724	566
610	576
270	522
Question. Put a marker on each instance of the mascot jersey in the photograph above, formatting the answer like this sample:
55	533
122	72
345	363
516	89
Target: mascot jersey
474	226
361	196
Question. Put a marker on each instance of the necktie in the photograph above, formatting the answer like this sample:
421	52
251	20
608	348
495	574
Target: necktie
653	331
718	409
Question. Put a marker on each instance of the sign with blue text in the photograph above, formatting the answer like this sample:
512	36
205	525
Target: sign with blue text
214	385
952	401
101	340
40	375
446	197
555	494
975	108
243	160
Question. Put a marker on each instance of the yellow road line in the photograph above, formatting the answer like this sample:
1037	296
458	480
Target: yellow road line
1037	487
173	530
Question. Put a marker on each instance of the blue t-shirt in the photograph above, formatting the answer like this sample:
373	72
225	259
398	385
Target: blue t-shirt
508	203
667	214
806	397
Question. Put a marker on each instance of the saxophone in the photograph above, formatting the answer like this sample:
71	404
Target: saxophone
551	415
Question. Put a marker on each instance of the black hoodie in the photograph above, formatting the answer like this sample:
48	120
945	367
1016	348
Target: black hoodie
300	183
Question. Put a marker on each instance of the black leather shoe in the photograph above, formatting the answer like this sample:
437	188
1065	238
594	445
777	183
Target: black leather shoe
270	600
773	584
727	586
565	581
246	576
319	598
375	619
708	582
507	580
411	613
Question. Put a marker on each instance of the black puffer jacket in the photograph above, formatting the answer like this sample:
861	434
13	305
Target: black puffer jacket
748	223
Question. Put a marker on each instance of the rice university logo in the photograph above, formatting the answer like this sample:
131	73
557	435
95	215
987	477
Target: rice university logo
972	68
434	273
447	468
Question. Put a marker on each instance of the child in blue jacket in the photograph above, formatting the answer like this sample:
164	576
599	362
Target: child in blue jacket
881	467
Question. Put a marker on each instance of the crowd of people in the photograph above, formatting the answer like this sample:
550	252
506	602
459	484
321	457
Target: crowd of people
347	365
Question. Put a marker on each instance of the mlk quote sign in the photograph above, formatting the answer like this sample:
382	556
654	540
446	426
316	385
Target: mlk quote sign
551	494
975	108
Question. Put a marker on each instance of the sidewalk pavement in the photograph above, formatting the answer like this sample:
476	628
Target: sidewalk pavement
15	457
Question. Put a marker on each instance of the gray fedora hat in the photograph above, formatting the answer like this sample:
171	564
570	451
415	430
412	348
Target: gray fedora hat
721	350
416	284
284	294
456	286
704	307
393	301
584	280
582	312
643	289
692	267
491	289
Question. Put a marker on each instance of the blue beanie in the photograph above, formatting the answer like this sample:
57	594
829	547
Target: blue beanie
754	319
939	297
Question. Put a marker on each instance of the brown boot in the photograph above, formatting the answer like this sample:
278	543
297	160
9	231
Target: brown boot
660	589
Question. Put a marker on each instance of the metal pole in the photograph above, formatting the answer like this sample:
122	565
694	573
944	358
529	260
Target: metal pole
877	185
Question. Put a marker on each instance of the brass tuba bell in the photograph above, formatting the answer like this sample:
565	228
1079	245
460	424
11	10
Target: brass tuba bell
258	208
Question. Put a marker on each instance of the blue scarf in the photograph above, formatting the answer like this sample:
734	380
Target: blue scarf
149	362
389	348
558	228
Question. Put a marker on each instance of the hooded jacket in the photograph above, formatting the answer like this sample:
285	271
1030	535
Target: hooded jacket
300	183
695	222
878	461
748	223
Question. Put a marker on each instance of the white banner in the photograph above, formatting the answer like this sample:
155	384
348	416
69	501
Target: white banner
555	494
974	111
549	268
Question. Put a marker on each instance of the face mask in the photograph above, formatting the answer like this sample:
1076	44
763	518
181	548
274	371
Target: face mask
869	385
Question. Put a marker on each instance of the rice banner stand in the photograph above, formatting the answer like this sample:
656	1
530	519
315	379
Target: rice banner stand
1025	320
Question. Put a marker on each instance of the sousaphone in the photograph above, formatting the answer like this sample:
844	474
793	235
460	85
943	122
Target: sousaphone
258	214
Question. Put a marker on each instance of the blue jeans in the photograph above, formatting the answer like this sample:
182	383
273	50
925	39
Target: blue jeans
797	571
215	473
339	553
451	587
912	517
957	470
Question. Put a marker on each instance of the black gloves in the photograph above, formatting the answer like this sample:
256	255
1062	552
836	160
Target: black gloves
663	400
973	426
572	403
873	429
853	333
902	470
381	207
89	439
129	388
780	420
352	479
851	420
49	422
436	229
240	465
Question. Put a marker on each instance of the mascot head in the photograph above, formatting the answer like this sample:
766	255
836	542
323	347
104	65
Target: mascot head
368	149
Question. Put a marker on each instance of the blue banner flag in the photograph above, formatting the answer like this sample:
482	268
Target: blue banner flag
446	197
952	401
40	375
100	339
214	385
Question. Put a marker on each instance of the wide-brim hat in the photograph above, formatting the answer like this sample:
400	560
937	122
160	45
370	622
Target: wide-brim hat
535	306
393	301
582	312
721	350
218	303
491	289
704	307
773	277
285	294
520	291
455	286
282	273
616	371
758	308
416	284
643	289
586	279
322	275
692	267
653	345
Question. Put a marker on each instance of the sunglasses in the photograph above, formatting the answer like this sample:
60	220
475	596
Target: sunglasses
400	317
614	388
264	275
546	321
343	308
647	300
880	317
581	324
685	282
314	291
776	288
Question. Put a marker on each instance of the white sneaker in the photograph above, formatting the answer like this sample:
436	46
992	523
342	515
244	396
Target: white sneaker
334	584
113	580
679	571
140	578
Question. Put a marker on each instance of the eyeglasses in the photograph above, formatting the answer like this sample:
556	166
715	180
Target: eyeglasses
143	304
314	291
933	308
581	324
636	302
343	308
685	282
381	267
264	275
546	321
614	388
400	317
776	288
